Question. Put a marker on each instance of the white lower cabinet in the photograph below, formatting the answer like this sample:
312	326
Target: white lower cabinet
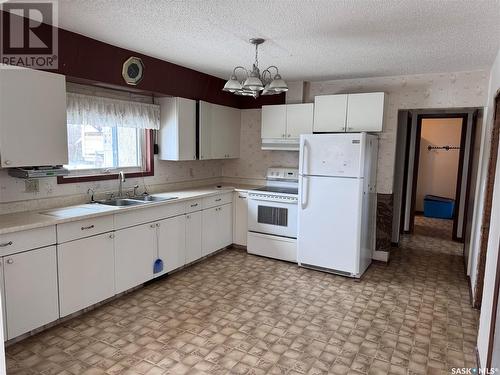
240	218
217	228
172	243
86	272
135	253
2	295
31	299
193	236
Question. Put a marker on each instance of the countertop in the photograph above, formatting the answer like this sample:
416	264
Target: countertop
19	221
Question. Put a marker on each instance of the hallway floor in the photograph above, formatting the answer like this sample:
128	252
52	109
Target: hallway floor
240	314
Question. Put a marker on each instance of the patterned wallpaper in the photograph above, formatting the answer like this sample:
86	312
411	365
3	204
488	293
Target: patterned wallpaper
462	89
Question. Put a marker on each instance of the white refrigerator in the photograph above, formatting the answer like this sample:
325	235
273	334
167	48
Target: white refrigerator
337	202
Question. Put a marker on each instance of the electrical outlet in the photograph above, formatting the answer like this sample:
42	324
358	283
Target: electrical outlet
31	186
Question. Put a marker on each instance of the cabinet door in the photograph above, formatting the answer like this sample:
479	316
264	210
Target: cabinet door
330	113
210	231
220	137
205	130
273	121
33	127
240	218
135	253
2	296
172	243
186	119
193	236
365	112
30	290
225	219
86	272
299	119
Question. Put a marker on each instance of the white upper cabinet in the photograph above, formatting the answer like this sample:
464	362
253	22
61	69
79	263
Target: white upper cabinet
330	113
299	119
365	112
283	124
177	135
273	121
33	129
349	113
219	131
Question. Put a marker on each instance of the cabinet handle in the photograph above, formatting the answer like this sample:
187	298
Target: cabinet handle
242	197
288	135
194	205
218	199
152	226
283	135
10	261
6	244
188	216
111	236
7	162
157	225
88	227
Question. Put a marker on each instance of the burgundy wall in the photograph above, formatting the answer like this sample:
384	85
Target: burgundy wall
86	60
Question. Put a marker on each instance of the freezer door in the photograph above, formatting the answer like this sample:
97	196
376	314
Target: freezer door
332	154
329	222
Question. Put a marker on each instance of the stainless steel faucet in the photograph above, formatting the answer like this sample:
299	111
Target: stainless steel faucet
121	179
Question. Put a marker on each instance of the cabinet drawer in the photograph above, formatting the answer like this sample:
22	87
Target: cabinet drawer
148	214
217	200
84	228
27	239
194	205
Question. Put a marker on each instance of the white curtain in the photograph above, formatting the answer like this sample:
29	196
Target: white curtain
95	110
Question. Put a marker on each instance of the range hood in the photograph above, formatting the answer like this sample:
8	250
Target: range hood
274	144
38	172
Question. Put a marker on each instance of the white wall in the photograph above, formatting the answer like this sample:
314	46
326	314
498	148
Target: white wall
494	236
437	169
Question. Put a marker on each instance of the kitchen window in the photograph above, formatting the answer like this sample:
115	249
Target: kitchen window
107	135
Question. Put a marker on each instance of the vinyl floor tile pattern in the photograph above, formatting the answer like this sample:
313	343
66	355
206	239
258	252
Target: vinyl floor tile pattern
236	313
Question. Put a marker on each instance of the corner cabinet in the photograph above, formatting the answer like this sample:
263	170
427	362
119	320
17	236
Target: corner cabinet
349	113
219	131
177	135
33	129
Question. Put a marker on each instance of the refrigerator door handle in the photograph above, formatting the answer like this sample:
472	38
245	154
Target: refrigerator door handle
303	161
303	193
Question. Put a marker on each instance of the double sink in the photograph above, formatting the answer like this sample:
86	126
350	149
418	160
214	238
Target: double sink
134	201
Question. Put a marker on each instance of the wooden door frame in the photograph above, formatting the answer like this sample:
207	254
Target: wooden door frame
405	173
420	117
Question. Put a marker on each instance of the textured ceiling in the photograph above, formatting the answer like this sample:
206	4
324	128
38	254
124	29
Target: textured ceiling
307	39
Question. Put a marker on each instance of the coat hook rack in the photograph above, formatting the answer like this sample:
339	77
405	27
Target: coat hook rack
447	148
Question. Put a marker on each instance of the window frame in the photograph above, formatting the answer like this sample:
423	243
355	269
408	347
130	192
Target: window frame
148	171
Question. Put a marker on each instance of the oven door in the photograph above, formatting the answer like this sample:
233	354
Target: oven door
271	217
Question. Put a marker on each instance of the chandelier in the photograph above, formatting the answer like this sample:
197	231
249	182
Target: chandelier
254	82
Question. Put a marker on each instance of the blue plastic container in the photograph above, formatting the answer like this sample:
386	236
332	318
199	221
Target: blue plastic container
438	207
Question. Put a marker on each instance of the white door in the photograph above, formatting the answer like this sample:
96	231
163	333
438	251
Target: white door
299	119
135	253
329	222
205	129
330	112
86	272
219	137
225	218
332	155
33	128
240	218
2	296
186	117
210	231
172	243
30	290
365	112
193	236
273	121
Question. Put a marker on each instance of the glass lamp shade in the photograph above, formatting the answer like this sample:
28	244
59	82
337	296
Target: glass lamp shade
253	83
268	91
232	85
278	84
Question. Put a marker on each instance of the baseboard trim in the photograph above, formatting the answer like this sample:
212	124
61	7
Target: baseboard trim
382	256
